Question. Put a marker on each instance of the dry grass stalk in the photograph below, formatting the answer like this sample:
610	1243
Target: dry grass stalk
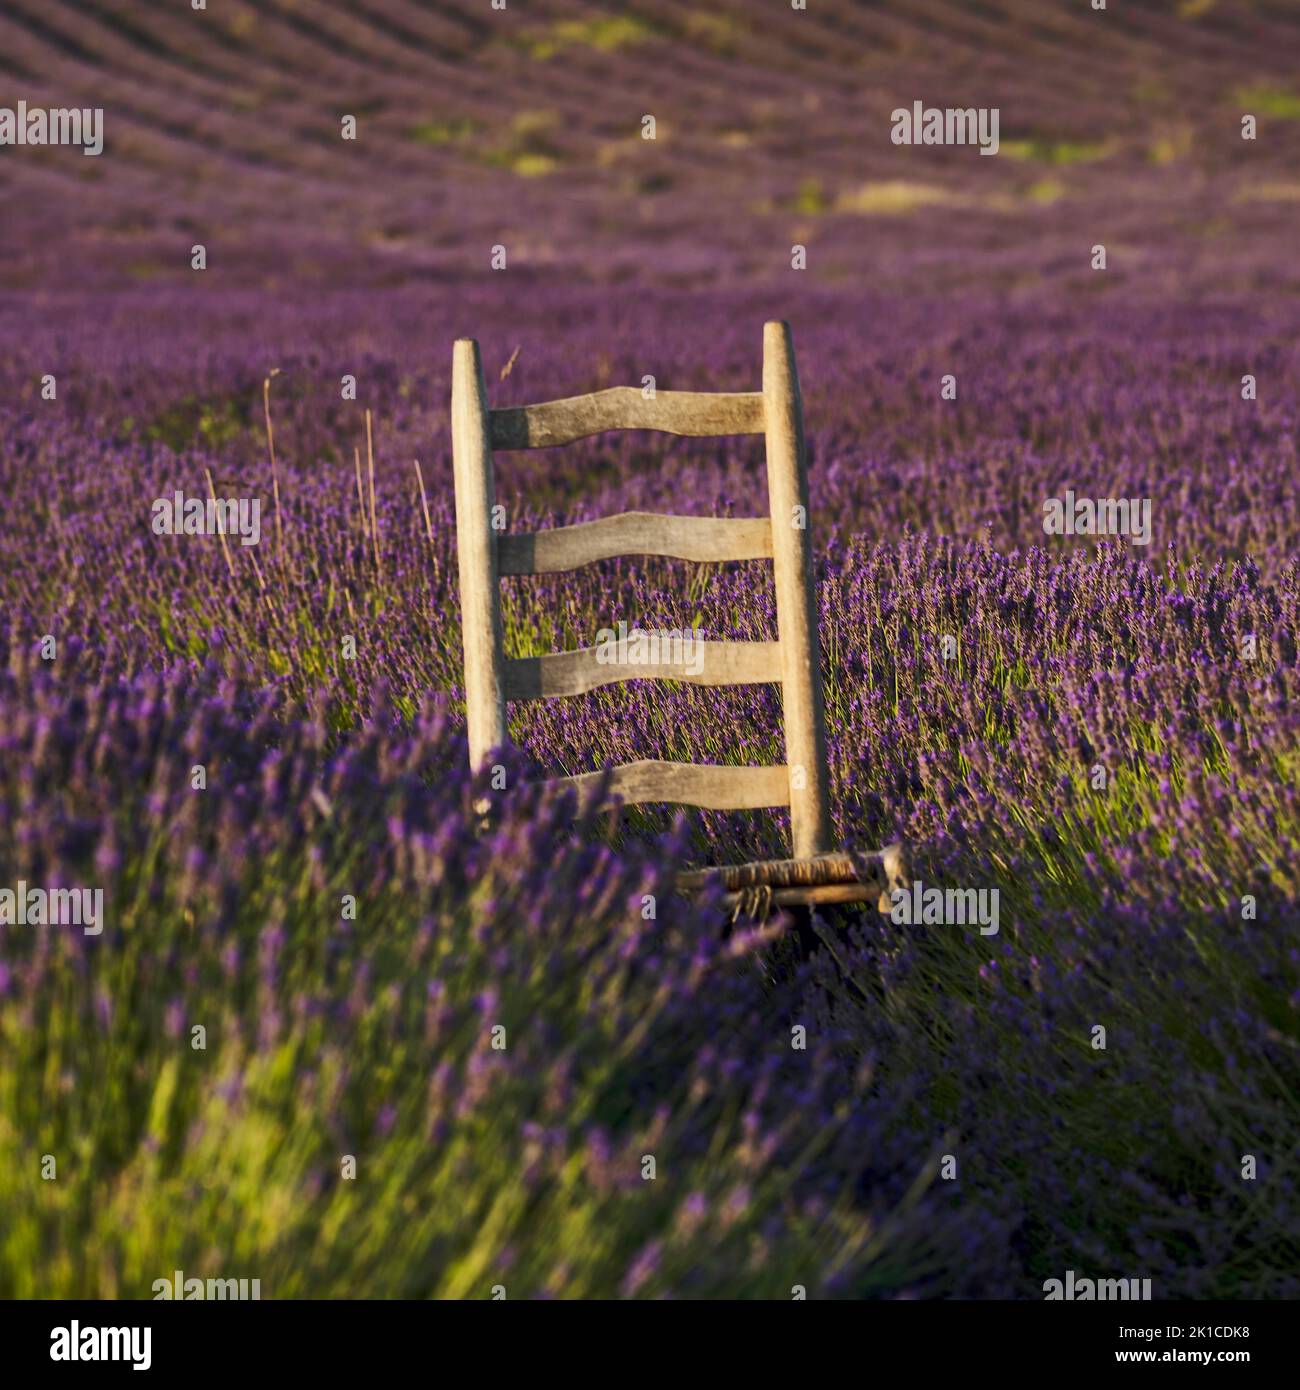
361	495
257	570
424	503
275	476
221	527
374	520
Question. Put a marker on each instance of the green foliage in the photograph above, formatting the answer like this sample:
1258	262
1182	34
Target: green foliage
1260	99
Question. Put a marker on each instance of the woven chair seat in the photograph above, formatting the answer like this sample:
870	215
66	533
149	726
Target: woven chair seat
839	877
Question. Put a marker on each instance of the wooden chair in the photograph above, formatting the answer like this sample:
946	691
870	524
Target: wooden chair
815	874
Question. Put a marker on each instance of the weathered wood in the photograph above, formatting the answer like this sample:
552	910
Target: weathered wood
823	895
696	413
689	784
703	538
794	661
824	878
577	672
476	554
782	873
796	608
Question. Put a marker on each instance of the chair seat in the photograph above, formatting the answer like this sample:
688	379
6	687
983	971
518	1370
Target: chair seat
837	877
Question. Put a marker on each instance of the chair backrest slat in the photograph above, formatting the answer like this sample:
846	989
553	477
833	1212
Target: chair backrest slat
691	784
577	672
709	539
793	661
697	413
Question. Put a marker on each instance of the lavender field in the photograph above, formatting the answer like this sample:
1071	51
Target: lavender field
432	1059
